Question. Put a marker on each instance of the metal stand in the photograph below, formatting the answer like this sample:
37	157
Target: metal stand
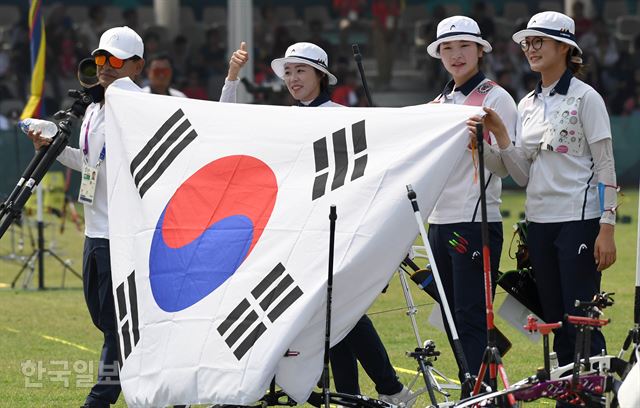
17	243
491	358
13	256
38	254
344	400
327	334
11	208
544	329
425	354
589	381
456	345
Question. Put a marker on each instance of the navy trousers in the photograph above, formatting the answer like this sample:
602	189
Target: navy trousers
98	294
565	271
457	249
363	344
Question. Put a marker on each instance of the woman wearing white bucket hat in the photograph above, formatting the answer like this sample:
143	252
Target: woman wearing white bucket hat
454	224
304	69
565	158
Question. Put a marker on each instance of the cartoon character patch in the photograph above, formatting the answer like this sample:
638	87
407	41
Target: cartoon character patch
564	133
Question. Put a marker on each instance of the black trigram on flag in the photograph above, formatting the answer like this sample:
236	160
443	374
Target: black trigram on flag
342	157
274	294
161	150
127	298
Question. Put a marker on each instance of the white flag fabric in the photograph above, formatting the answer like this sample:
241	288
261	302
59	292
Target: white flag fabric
219	233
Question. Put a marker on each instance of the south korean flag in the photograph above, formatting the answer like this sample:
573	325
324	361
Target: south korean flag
218	220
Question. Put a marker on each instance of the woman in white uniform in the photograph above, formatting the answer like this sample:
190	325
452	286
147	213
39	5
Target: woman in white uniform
454	224
564	157
304	69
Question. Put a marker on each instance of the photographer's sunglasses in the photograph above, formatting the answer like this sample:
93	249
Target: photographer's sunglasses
115	62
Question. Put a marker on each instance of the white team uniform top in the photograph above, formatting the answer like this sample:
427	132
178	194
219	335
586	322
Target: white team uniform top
459	201
172	92
562	187
229	91
95	216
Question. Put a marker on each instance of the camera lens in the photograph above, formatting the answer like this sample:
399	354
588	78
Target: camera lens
87	73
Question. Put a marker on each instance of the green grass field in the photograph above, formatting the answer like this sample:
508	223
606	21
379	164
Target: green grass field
51	330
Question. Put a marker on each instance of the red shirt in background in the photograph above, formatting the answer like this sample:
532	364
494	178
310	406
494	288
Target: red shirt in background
383	9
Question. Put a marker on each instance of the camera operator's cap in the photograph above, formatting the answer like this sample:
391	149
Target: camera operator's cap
550	24
457	28
304	53
121	42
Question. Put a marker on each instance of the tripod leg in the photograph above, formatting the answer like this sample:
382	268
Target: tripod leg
503	375
29	276
63	263
13	241
483	370
411	312
24	266
448	383
411	307
427	381
493	375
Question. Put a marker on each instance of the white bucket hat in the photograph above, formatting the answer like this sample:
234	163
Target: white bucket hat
304	53
550	24
121	42
457	28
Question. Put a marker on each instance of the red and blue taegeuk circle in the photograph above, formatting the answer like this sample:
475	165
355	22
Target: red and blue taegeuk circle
208	228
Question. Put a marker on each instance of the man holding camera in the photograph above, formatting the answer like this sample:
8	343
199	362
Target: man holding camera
119	55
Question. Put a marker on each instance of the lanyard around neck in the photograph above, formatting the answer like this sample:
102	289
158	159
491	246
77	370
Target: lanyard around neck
85	148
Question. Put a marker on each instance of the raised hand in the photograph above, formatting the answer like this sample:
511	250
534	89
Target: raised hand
237	61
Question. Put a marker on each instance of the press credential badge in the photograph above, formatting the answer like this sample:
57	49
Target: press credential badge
88	184
89	173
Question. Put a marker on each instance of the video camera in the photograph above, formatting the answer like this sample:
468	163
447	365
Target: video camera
92	91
